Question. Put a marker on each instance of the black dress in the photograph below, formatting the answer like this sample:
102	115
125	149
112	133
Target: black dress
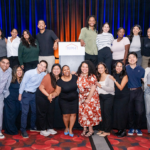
120	108
68	98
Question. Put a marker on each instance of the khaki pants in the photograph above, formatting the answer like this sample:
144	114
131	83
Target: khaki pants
50	60
145	60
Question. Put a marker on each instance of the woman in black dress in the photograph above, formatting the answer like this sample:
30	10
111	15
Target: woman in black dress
11	103
68	98
121	99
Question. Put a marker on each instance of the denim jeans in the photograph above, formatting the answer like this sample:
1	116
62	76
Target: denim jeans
28	99
147	107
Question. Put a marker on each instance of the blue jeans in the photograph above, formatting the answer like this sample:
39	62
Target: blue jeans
28	99
147	107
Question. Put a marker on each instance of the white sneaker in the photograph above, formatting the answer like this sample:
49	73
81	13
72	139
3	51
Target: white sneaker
52	131
45	133
1	136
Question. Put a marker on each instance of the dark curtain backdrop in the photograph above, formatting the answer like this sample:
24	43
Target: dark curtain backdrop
67	17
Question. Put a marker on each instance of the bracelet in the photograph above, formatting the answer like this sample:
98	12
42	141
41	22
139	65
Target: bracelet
115	81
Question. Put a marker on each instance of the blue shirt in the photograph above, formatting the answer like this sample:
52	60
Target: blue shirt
31	81
134	76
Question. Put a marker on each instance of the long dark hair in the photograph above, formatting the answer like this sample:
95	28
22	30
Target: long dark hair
31	39
2	36
98	75
103	26
131	32
14	74
87	24
53	78
91	67
122	73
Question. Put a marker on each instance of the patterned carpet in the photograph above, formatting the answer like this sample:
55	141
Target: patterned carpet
39	142
131	142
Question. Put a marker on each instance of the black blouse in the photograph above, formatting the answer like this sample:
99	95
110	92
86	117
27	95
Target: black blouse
146	47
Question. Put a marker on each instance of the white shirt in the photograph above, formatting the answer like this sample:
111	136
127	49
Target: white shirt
12	47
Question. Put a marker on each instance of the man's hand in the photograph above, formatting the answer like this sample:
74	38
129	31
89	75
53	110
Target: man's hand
20	97
55	46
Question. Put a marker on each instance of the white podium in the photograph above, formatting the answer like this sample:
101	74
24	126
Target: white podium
71	54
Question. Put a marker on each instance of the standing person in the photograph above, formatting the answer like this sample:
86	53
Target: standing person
104	41
28	52
5	79
89	105
135	38
121	98
12	48
45	108
31	81
145	49
68	99
3	41
136	103
87	39
106	95
48	42
120	47
11	103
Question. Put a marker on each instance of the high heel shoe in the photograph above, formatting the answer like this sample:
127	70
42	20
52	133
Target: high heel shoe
71	134
66	133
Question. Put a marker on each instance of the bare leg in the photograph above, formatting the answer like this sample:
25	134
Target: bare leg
66	121
72	122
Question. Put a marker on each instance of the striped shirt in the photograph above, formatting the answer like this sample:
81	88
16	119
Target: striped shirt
104	40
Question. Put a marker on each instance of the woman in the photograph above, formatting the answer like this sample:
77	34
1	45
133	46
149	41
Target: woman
68	98
45	108
106	95
104	41
120	47
88	39
136	42
11	103
3	41
145	49
28	52
89	105
121	98
12	48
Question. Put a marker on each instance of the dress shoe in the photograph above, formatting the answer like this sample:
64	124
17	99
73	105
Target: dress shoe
122	134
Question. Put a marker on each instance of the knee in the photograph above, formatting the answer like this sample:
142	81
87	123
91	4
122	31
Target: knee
73	115
66	116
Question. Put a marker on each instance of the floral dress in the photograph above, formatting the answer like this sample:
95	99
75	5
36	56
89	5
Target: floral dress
89	114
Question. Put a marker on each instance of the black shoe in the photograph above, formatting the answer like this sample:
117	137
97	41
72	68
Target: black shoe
122	134
118	133
34	129
24	134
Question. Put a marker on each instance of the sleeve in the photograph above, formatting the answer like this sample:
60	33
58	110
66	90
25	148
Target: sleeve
143	73
93	79
45	80
59	83
112	38
6	89
53	35
148	78
97	40
142	45
23	83
126	41
82	34
109	87
20	53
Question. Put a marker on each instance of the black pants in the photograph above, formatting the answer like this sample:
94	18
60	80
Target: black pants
30	65
136	107
105	56
13	61
106	103
45	111
92	58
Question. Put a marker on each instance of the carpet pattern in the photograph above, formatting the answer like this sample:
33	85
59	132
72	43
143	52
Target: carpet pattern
39	142
131	142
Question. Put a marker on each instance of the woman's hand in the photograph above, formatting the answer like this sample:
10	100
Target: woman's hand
86	101
82	43
112	78
50	98
98	84
20	97
22	66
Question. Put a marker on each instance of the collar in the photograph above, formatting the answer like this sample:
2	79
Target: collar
8	70
43	32
93	30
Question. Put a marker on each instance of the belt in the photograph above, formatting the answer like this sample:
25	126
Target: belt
132	89
30	92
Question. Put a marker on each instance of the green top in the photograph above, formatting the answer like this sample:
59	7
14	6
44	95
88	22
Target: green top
89	37
26	54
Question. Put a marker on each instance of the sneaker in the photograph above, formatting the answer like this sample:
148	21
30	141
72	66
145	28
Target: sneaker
1	136
52	131
45	133
24	134
139	132
34	129
130	132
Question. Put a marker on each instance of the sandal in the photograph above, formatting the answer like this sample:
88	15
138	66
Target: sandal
89	134
100	132
84	132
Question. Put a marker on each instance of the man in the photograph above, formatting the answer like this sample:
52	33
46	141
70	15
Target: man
48	41
5	79
136	103
29	84
87	38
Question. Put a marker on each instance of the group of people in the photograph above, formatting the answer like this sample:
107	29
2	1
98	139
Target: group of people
106	90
